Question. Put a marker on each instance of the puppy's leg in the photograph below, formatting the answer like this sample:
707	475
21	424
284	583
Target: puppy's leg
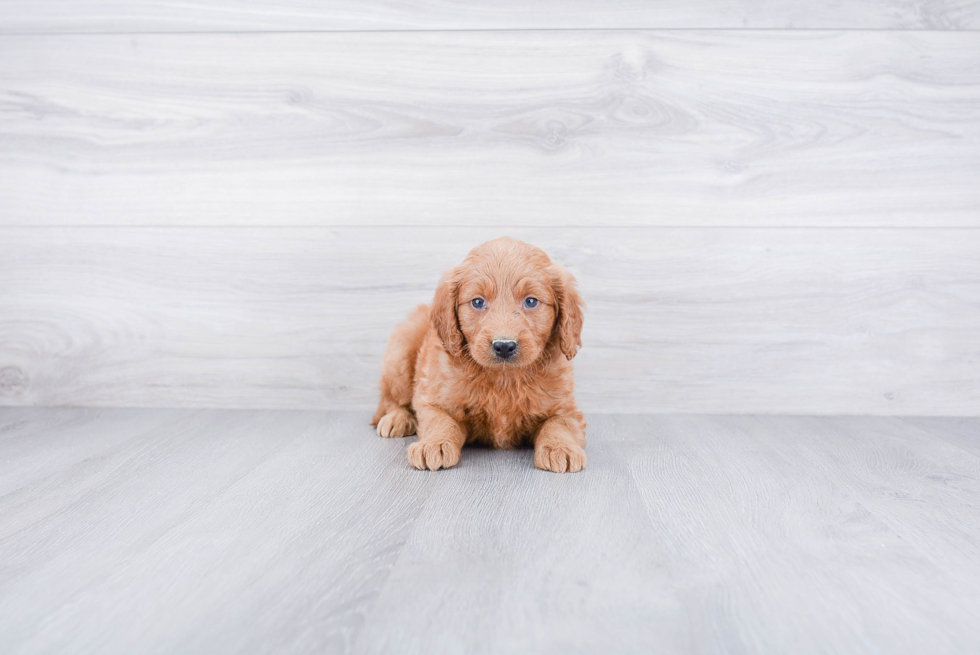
559	444
441	439
394	416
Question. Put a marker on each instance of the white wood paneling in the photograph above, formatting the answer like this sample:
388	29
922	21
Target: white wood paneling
27	16
492	128
699	320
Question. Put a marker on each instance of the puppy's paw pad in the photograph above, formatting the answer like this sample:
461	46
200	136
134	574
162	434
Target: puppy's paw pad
397	423
560	458
433	455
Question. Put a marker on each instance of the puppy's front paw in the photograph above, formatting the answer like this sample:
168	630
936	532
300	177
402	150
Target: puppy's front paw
398	422
560	457
433	455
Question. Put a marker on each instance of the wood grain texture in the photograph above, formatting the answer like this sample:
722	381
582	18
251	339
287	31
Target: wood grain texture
963	432
821	321
721	128
255	531
67	16
742	502
170	513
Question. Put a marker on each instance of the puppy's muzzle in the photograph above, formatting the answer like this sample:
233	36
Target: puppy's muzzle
504	348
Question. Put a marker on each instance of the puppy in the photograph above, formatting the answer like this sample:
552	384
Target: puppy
489	362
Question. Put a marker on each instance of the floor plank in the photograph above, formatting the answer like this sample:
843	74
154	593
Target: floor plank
68	16
963	432
505	559
781	527
701	320
223	531
73	436
680	128
209	520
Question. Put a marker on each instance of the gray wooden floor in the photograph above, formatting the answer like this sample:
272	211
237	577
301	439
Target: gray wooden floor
126	530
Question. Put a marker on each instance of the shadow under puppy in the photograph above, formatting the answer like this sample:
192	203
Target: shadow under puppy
489	362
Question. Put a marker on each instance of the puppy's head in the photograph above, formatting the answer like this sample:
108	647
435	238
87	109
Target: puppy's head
506	305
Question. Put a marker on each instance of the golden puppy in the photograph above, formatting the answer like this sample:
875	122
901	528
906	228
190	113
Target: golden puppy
489	362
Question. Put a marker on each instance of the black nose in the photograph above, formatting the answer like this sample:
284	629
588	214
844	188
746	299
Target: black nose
504	348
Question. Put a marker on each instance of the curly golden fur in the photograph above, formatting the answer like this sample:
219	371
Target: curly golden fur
496	372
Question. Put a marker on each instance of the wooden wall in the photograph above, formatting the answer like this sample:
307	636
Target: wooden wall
770	207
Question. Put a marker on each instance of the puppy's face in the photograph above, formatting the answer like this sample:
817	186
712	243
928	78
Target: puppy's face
506	316
506	304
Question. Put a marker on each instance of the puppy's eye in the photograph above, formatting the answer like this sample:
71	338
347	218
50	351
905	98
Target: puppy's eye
530	302
478	303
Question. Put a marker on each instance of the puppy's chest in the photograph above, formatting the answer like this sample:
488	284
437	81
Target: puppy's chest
503	422
499	430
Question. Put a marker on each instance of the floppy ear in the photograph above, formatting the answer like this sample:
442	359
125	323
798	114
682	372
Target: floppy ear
443	312
568	309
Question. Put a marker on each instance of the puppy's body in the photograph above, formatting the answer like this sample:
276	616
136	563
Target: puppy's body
498	375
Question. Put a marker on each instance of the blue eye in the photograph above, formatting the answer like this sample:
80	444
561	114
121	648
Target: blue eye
530	303
478	303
